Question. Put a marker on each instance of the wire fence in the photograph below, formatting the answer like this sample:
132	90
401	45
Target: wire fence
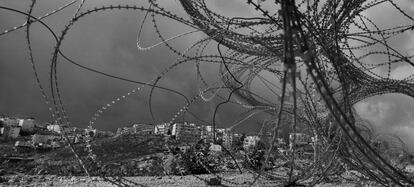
313	56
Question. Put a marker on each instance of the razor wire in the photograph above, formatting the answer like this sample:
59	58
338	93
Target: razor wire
318	53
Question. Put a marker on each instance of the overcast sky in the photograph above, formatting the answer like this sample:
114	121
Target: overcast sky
106	41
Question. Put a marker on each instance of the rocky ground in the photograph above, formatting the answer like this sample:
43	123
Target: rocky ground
126	156
191	180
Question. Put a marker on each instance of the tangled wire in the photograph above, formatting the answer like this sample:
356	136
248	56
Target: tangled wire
312	56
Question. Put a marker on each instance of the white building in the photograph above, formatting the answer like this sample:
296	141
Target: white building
301	140
54	128
22	144
124	130
207	133
163	129
228	138
209	128
409	169
143	128
250	141
186	132
215	147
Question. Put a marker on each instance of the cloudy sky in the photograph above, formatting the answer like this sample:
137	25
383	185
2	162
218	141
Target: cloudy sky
392	113
106	42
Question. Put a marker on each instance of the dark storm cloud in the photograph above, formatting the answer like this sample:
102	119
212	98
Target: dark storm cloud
106	42
392	113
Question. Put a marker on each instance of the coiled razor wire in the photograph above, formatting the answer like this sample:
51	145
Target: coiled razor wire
318	55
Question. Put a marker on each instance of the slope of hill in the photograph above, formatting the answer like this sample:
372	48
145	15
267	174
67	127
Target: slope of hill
119	155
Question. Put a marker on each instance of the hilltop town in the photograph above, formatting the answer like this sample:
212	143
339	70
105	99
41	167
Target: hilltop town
24	138
141	149
26	133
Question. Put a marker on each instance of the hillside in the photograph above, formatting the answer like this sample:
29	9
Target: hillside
116	155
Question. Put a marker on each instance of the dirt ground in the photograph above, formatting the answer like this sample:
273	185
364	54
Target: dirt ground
191	180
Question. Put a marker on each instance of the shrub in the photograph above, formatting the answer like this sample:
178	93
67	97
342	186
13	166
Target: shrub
199	160
254	158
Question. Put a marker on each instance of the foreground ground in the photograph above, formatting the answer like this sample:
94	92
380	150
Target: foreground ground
191	180
124	155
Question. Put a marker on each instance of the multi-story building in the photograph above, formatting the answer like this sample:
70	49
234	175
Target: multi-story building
54	128
74	130
228	138
209	128
10	121
186	132
45	138
98	133
27	125
207	133
220	134
163	129
125	130
250	141
10	132
267	139
237	137
300	139
143	128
